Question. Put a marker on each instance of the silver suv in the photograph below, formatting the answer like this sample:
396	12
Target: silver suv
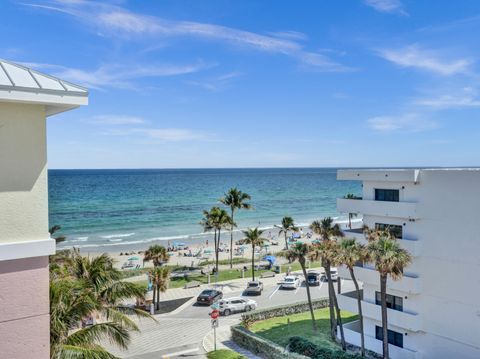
236	304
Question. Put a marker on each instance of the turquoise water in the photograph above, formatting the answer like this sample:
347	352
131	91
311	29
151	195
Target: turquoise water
114	209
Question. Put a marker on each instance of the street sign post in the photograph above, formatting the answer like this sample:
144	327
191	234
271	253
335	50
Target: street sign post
214	315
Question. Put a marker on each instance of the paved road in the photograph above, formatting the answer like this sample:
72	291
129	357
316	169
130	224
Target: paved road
180	335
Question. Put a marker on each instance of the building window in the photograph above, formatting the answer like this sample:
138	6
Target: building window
390	195
395	230
394	337
393	302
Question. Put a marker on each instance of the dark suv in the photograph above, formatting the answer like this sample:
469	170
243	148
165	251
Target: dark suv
209	296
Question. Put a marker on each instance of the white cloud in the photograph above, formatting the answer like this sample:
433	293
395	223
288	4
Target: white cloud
467	97
117	120
413	56
113	75
162	134
406	123
387	6
117	21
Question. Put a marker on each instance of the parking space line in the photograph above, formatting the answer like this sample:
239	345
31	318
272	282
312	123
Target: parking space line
321	284
275	291
296	290
183	352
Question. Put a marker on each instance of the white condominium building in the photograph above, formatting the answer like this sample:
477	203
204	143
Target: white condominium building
434	311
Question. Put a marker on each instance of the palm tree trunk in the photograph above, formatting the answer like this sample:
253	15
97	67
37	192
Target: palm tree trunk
158	298
286	242
216	251
383	296
333	323
314	323
360	315
253	262
350	220
153	297
333	303
231	242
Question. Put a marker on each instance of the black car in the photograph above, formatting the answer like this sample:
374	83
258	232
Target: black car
209	296
314	278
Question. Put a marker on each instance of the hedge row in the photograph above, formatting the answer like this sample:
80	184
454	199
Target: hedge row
306	347
263	347
283	310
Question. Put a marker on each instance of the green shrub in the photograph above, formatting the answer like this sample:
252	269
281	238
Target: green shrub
305	347
224	354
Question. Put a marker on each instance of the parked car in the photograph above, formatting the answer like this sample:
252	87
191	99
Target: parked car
290	282
313	278
333	273
209	296
254	287
236	304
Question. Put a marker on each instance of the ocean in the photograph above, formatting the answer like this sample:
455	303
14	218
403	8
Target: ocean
116	210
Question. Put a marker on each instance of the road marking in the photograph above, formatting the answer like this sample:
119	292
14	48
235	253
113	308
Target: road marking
320	286
275	291
168	356
296	290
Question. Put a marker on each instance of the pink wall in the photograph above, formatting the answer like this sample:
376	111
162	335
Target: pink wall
24	308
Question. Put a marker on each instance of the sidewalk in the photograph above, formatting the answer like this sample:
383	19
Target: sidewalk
224	341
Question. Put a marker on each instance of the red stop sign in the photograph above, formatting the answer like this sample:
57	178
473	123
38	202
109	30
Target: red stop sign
214	314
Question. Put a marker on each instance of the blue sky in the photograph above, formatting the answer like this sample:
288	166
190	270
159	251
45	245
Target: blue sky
257	83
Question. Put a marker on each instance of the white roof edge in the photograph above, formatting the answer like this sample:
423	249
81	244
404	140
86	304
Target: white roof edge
21	84
383	175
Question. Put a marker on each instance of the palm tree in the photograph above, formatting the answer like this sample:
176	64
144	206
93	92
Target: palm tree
327	252
159	277
253	236
287	225
350	215
104	282
52	230
157	254
300	251
235	199
350	252
71	301
216	219
390	260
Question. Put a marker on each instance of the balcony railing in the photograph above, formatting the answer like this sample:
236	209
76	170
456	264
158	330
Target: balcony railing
409	321
352	336
378	208
408	284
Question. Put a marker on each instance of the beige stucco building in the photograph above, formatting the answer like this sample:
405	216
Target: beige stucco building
27	98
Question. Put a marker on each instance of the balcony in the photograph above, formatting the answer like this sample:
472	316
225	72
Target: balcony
378	208
409	321
352	336
408	284
410	245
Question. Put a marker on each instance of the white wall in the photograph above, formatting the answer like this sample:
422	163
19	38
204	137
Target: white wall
23	173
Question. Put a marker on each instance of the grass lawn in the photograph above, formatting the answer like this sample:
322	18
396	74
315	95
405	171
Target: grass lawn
277	330
224	354
223	275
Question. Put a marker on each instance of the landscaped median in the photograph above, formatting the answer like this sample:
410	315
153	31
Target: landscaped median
271	331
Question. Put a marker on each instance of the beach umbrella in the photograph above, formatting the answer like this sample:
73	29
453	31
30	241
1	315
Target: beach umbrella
271	259
207	251
133	259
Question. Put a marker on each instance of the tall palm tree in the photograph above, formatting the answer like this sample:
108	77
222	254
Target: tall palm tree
253	236
350	215
157	254
71	301
390	260
327	252
235	199
160	277
350	252
300	251
216	219
288	224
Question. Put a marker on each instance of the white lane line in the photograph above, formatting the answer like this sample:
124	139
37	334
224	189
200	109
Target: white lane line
169	355
296	290
320	286
275	291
